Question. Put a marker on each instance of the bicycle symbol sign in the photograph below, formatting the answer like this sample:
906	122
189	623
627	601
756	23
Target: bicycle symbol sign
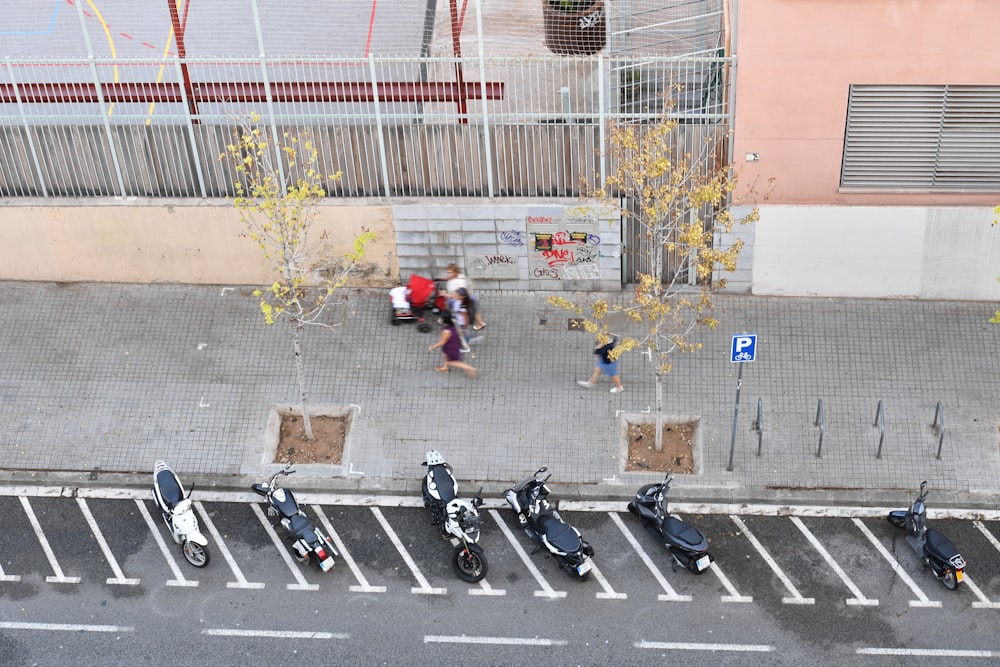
744	348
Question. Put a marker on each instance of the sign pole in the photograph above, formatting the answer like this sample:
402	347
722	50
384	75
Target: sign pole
736	413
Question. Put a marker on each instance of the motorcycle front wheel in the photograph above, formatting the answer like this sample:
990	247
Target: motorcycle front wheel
470	564
195	554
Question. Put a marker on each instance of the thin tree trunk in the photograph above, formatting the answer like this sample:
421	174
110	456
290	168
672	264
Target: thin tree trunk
659	412
301	372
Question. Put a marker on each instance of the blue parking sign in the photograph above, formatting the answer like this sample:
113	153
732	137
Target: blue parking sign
744	348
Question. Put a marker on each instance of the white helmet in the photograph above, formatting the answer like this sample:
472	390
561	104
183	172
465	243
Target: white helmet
434	458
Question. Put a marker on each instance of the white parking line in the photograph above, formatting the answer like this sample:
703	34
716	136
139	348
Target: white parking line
277	634
364	587
923	600
734	595
178	579
515	641
691	646
987	534
547	590
859	597
302	584
796	597
929	652
484	586
608	593
119	577
671	595
425	586
59	577
65	627
984	602
241	581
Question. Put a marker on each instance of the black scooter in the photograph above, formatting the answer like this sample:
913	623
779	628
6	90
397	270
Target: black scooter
687	545
935	549
542	523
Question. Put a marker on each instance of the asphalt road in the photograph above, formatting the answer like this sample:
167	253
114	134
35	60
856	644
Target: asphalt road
832	597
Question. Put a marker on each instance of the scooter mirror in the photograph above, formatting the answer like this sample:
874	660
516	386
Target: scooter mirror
540	470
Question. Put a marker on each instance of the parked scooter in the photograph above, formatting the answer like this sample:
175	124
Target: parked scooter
178	513
308	541
687	545
936	549
542	523
455	517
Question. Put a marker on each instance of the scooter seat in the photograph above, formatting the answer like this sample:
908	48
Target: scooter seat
558	534
170	490
939	545
443	484
675	530
299	526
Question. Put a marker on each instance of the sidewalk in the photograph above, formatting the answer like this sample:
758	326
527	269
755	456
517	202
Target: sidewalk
98	381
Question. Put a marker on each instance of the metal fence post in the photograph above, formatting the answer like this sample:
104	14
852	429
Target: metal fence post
27	130
195	155
939	426
880	422
378	124
821	422
482	96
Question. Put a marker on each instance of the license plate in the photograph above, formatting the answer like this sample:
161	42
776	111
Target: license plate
584	567
703	563
960	575
326	564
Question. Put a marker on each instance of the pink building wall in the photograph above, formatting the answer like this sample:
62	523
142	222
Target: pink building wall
797	58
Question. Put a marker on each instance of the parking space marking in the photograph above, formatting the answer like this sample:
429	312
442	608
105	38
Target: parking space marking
669	595
484	586
796	597
923	600
547	590
693	646
59	577
65	627
859	597
277	634
929	652
984	602
178	579
301	583
512	641
364	586
119	577
734	595
241	581
8	577
987	534
609	592
425	587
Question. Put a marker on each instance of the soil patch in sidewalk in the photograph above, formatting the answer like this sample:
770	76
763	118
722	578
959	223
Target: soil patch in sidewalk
327	447
677	453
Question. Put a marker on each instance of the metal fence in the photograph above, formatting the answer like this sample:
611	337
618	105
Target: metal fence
395	127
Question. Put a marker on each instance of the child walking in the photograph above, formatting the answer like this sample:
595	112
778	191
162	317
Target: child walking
451	345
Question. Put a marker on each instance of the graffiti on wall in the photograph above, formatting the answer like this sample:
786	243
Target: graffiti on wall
567	247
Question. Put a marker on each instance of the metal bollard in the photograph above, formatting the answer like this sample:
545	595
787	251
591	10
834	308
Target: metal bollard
759	424
880	422
821	422
938	425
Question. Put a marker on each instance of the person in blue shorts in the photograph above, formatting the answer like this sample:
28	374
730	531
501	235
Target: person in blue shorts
605	365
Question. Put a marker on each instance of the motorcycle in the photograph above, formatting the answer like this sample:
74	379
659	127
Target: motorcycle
935	549
542	523
178	513
454	517
308	541
688	546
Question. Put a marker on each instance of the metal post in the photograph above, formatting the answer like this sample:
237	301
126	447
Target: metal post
759	424
194	143
27	130
736	412
821	422
880	422
482	83
378	123
939	425
601	119
100	100
275	137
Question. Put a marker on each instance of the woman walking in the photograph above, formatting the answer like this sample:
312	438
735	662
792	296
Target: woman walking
450	344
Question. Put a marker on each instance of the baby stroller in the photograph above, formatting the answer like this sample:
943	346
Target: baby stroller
415	301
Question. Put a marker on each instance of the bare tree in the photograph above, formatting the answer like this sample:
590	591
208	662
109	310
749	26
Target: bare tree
278	190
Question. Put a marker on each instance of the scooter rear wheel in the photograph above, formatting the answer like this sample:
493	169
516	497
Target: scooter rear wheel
195	554
470	565
950	581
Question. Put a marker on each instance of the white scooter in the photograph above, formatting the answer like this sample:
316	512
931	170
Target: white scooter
178	514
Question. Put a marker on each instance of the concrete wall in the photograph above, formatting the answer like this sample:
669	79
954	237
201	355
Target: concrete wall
155	241
884	251
797	61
